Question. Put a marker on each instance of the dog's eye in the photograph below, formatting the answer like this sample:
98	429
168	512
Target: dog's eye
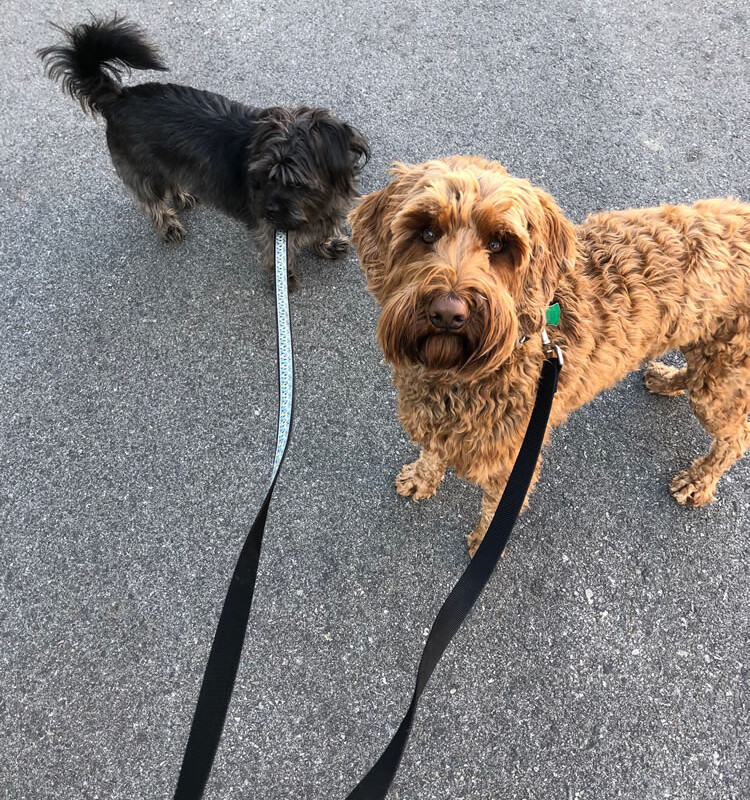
495	246
429	236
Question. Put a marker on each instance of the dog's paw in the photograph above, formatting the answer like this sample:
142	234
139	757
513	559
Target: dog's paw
413	482
663	379
473	540
691	488
333	248
292	282
173	232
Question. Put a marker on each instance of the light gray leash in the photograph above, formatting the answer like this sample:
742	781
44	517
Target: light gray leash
286	360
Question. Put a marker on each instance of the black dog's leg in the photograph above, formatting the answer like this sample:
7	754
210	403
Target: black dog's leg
151	195
164	218
150	190
183	201
333	245
293	246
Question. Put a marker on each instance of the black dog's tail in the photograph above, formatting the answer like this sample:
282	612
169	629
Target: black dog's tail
90	64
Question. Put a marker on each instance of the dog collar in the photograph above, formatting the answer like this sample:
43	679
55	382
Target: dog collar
551	317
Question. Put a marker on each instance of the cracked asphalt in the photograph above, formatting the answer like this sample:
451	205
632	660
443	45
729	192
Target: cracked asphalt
609	656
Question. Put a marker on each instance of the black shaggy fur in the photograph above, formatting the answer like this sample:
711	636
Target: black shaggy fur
174	146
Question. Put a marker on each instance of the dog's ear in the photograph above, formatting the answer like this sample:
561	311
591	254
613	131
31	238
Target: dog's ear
342	145
371	223
358	146
553	251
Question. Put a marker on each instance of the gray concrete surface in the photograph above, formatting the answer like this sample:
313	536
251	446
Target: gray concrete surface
609	656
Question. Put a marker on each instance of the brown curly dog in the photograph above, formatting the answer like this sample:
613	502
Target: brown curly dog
464	259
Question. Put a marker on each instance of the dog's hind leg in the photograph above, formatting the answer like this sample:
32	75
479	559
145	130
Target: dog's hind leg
150	192
420	479
718	382
663	379
183	201
152	198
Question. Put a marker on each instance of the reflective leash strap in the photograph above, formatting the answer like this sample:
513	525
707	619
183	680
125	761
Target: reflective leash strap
286	359
226	650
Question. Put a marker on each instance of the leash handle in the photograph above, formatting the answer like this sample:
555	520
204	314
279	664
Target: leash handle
375	784
226	650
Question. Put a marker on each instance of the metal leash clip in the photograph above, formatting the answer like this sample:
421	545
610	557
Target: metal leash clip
552	349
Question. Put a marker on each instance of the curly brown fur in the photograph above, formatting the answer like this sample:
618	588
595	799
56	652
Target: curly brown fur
463	259
175	146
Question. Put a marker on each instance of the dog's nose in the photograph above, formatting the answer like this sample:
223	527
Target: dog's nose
272	207
448	312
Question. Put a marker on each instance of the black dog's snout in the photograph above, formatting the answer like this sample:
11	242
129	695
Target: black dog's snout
272	207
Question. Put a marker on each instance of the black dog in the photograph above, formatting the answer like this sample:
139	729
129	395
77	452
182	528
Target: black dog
175	146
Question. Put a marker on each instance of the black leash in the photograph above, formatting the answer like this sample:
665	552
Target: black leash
223	661
374	786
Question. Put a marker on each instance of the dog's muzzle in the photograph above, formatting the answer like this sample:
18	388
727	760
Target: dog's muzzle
282	217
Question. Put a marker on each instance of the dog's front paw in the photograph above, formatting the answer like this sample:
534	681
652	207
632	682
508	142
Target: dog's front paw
473	540
292	282
334	248
416	482
691	488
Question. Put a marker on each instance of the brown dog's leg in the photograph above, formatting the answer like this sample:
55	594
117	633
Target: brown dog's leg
421	479
662	379
719	388
493	491
695	486
490	499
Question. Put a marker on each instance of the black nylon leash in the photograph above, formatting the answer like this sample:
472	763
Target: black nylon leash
226	650
374	786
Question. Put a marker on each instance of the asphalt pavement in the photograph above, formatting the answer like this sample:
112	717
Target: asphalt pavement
609	656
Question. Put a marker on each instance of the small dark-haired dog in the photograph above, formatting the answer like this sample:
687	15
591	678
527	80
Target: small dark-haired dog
175	146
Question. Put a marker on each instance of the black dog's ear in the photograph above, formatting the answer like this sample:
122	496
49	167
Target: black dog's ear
342	146
358	145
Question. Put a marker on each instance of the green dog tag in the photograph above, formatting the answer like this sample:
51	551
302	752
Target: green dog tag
552	314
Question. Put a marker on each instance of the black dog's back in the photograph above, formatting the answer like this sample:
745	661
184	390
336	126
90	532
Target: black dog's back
147	126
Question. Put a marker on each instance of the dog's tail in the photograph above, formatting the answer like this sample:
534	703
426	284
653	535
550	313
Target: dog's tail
90	63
